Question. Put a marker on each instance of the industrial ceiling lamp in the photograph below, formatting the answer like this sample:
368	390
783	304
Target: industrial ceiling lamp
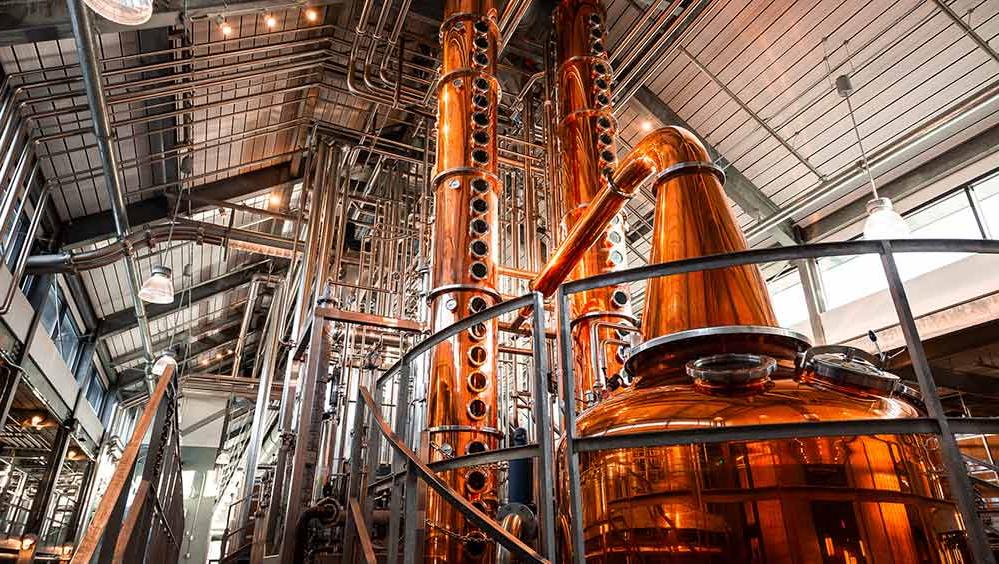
158	288
883	222
125	12
168	358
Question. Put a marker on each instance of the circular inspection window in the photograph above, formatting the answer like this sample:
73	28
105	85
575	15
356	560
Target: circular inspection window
477	409
479	270
480	226
477	381
477	355
477	304
479	248
480	184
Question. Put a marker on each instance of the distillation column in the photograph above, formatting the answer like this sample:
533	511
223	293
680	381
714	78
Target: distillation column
461	399
586	135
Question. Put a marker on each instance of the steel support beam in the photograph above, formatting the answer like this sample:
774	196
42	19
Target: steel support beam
185	337
87	49
94	227
955	159
740	189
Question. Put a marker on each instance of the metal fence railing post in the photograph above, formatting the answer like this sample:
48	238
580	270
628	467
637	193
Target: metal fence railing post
371	464
956	470
543	431
401	421
569	410
354	482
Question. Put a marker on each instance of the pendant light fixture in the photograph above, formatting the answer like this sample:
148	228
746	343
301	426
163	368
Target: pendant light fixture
158	288
167	358
125	12
883	222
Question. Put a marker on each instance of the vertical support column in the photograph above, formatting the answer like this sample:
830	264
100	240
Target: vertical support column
543	430
9	382
274	327
303	464
401	419
811	285
415	533
43	495
575	509
354	479
957	472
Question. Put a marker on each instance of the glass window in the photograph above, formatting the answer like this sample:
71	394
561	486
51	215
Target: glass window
950	217
847	279
57	318
988	199
788	298
96	391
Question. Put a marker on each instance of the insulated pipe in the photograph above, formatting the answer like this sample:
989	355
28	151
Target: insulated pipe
86	47
203	233
275	330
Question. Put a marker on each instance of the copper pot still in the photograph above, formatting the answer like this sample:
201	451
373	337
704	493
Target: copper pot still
713	357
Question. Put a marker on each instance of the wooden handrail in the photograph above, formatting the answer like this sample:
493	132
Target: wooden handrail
362	532
116	487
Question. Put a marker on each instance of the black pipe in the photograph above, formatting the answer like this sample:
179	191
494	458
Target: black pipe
521	478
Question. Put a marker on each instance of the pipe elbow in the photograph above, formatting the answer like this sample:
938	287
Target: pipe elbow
656	153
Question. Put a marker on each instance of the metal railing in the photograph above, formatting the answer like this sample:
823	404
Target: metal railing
416	474
936	423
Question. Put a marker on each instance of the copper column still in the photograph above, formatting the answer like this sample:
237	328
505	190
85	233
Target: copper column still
715	358
461	400
586	137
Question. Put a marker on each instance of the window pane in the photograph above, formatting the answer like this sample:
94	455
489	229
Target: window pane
988	197
96	391
50	310
948	218
788	298
847	279
68	338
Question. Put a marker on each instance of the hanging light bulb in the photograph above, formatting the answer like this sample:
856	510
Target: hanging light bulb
125	12
166	359
158	288
270	20
311	14
883	222
224	26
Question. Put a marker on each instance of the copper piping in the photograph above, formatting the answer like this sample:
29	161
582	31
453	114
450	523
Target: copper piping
462	390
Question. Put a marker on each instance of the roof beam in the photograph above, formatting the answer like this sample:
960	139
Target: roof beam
953	160
124	320
97	226
740	189
189	335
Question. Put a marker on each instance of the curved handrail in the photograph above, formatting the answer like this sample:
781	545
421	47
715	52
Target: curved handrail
439	337
476	517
